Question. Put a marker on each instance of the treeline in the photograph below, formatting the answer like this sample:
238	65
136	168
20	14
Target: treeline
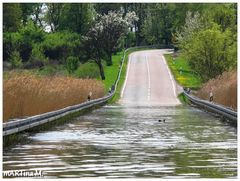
36	34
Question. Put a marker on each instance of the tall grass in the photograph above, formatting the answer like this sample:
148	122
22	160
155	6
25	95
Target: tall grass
26	94
224	89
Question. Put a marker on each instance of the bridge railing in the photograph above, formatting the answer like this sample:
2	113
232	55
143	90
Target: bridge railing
219	109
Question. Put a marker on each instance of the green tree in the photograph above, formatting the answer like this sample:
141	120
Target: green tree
12	14
76	17
27	11
158	26
104	8
53	15
210	53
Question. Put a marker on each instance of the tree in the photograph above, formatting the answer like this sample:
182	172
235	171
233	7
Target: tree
76	17
158	26
104	36
53	15
104	8
141	10
114	26
38	15
93	47
209	52
12	14
27	11
192	25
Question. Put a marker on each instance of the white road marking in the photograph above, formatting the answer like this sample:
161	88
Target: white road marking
149	79
170	75
125	82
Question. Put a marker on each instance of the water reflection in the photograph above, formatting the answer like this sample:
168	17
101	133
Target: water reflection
118	141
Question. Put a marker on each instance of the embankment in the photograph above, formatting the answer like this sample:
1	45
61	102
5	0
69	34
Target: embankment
224	89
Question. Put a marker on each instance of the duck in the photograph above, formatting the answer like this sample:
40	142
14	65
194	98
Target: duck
162	120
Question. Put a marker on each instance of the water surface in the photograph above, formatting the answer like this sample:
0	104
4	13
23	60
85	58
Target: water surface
120	141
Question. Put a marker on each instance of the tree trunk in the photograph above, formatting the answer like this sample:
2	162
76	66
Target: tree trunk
101	70
109	58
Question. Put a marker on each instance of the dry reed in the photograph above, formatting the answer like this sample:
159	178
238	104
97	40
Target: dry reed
224	89
27	94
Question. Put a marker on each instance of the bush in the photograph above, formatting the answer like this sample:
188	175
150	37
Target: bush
30	35
60	45
15	60
37	59
22	41
11	42
87	70
71	64
209	53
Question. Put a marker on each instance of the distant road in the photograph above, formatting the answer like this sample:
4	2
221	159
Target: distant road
149	81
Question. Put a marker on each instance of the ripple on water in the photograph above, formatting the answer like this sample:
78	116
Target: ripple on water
119	142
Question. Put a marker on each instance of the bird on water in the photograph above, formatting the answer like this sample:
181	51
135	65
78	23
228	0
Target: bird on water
162	120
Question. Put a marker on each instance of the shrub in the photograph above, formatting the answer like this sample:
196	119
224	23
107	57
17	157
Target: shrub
71	64
38	55
22	41
87	70
15	60
37	58
30	35
60	45
11	42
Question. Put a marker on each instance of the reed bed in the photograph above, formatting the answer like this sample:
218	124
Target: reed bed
26	94
224	89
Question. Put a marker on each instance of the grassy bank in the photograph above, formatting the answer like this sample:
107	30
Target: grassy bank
26	94
183	73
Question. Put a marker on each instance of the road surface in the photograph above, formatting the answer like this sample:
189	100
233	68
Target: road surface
148	80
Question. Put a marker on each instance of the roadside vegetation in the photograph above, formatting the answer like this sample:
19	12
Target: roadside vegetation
86	41
26	94
183	73
224	89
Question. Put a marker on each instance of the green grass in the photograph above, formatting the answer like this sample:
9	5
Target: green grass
183	73
111	72
87	70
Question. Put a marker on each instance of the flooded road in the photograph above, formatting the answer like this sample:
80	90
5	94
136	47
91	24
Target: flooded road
126	141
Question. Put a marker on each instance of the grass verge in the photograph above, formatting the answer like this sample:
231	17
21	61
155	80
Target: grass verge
183	73
111	72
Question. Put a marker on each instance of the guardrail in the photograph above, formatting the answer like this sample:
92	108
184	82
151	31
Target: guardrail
19	125
219	109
